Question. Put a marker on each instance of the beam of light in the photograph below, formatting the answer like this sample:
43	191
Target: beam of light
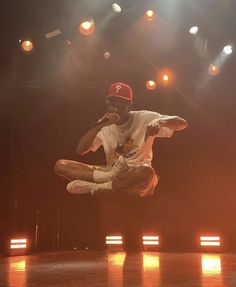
193	30
87	28
27	46
151	85
150	15
116	8
228	50
211	265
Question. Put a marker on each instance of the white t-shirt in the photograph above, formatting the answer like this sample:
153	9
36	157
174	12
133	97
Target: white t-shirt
129	139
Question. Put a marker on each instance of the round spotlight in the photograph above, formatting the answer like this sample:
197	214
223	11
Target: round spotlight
26	46
87	27
150	15
151	85
107	55
193	30
165	78
116	8
213	70
228	50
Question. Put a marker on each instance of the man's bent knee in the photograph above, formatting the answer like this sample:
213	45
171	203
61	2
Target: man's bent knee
145	173
60	166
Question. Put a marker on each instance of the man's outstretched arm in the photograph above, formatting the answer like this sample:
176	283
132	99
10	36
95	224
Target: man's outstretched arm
174	123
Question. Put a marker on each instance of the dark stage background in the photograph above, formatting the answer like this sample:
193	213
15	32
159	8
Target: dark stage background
51	97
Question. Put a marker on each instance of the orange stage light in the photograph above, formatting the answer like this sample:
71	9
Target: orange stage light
26	46
165	77
87	27
213	70
151	85
150	15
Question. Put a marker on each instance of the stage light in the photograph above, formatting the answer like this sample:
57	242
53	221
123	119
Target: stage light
165	78
114	240
18	246
213	70
210	241
228	50
151	240
87	27
107	55
193	30
149	15
116	8
26	46
151	85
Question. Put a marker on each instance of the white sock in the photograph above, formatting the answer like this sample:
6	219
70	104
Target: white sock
100	176
105	185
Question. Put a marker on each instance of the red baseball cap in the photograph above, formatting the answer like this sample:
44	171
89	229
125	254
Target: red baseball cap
120	90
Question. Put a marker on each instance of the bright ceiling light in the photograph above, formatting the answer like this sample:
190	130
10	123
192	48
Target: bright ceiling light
116	8
151	85
26	46
107	55
149	15
213	70
87	27
193	30
228	50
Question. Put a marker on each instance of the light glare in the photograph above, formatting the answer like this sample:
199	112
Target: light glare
193	30
150	15
228	50
116	8
87	27
26	46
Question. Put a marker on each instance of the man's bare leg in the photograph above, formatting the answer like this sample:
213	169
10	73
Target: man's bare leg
72	170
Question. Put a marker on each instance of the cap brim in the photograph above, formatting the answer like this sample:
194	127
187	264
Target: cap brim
120	97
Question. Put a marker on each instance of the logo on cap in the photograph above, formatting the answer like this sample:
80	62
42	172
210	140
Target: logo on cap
120	90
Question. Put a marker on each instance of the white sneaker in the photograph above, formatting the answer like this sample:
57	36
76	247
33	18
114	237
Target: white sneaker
81	187
120	166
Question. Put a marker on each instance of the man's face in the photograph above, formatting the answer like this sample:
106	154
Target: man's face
119	106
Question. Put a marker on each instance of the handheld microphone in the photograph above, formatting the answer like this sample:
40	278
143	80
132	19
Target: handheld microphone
101	121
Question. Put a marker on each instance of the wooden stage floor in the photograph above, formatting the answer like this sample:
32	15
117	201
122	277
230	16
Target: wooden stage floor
103	268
